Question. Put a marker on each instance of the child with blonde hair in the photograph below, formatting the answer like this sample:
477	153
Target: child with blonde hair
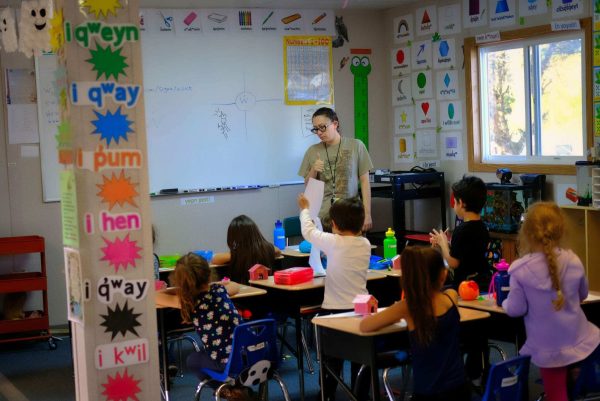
547	285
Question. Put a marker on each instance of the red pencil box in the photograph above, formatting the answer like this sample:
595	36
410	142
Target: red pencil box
293	275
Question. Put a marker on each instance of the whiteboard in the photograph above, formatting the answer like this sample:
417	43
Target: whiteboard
215	112
48	119
215	115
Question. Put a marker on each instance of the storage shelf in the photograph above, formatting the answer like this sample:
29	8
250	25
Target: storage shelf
31	328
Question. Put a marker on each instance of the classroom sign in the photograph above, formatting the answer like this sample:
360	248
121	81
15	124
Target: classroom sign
444	54
422	84
187	21
401	61
401	91
503	14
532	7
449	20
597	48
475	13
403	28
421	55
451	115
404	120
566	8
404	149
426	144
596	15
451	145
425	113
446	85
426	21
596	83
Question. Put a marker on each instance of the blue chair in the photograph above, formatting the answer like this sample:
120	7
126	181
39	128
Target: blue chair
587	383
253	359
507	380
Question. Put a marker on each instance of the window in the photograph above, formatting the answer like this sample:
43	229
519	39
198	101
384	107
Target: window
530	100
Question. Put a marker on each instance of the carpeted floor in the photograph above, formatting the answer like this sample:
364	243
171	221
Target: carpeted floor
32	372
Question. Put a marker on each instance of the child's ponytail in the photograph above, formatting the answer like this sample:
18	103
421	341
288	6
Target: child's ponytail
548	249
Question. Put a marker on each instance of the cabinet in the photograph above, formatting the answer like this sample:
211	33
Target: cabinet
32	328
509	245
583	237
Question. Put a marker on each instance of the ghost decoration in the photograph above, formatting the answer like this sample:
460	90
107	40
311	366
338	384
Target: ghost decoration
8	30
34	27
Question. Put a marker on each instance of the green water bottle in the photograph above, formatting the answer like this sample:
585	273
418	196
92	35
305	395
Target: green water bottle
390	248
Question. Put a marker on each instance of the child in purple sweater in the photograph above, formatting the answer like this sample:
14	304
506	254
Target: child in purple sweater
547	285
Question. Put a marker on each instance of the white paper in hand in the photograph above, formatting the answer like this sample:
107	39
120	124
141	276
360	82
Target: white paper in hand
314	259
314	193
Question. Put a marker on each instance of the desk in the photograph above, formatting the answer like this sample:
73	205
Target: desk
244	293
423	185
340	337
505	328
288	299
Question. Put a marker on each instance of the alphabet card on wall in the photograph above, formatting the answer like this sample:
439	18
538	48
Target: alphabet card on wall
403	28
566	8
451	144
444	54
451	115
475	13
449	19
532	7
421	55
404	120
446	85
422	85
404	149
401	61
426	21
504	13
425	113
401	91
426	144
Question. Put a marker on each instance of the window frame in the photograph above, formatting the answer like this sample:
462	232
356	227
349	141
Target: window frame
472	86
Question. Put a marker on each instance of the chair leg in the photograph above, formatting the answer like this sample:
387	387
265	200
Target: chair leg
309	363
199	389
218	391
386	385
498	349
283	334
284	390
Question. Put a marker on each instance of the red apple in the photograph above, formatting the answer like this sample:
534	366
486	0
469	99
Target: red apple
468	290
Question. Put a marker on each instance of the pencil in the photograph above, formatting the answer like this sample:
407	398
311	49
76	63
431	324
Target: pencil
268	16
319	18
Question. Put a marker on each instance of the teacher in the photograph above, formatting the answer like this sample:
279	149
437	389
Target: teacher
342	163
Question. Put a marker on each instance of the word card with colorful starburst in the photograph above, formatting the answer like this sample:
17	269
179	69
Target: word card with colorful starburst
101	144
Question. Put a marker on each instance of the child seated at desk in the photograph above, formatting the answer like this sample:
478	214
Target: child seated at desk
433	323
547	285
247	247
348	255
203	303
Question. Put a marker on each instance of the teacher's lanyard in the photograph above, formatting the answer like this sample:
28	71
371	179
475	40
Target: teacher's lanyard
334	169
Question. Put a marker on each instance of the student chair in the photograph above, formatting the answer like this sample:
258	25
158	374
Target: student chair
253	359
507	380
293	233
586	385
176	337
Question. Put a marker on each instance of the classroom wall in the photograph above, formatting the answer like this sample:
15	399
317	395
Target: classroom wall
454	170
183	228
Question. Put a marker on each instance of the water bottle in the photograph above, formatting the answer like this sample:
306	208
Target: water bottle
501	281
279	235
390	248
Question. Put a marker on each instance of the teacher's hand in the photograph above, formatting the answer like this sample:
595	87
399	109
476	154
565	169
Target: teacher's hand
318	165
368	224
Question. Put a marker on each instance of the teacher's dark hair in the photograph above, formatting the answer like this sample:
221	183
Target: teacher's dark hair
329	113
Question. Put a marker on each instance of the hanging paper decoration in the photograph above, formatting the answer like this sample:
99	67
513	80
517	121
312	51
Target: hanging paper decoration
361	67
34	27
8	30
